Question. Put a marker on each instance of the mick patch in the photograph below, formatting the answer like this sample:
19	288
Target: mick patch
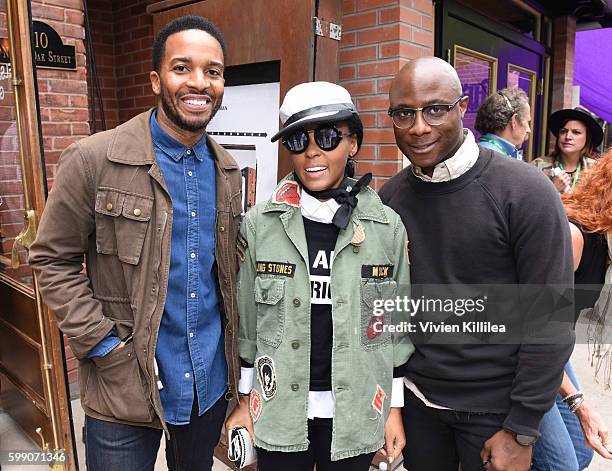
379	399
377	271
267	376
255	405
287	193
275	268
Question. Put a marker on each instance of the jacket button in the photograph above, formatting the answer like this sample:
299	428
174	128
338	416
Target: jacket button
295	344
137	212
295	387
264	294
230	331
296	302
221	228
109	207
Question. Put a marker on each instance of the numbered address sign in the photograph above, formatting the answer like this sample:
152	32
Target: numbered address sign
49	50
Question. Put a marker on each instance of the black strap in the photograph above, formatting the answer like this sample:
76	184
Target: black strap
346	199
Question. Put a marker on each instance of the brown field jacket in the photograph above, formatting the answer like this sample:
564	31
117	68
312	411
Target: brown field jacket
109	202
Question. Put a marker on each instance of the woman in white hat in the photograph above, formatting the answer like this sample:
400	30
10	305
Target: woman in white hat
317	384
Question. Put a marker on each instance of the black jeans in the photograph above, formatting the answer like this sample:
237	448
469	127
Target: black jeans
121	447
318	452
439	440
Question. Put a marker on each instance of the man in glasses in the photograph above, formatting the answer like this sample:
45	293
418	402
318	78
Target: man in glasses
474	218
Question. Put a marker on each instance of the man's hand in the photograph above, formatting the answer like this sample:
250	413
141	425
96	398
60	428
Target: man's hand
241	417
595	431
504	454
394	435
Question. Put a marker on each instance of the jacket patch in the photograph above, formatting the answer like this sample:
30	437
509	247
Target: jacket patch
379	399
276	268
240	253
376	271
375	327
255	405
287	193
267	376
242	242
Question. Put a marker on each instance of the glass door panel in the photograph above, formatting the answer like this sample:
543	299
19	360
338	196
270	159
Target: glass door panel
478	75
525	79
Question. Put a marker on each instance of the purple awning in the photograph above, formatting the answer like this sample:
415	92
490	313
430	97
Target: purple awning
593	70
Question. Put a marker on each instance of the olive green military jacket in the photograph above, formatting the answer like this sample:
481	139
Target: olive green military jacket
370	263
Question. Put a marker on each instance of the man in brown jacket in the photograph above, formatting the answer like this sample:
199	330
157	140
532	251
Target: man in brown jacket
154	206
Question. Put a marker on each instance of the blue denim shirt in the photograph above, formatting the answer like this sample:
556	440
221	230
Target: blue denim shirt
501	145
190	347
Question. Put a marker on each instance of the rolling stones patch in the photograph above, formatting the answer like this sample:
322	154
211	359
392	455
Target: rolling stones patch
275	268
376	271
379	399
287	193
375	327
267	376
255	405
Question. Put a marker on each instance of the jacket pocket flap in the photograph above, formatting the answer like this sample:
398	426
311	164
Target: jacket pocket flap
236	204
137	207
109	202
269	290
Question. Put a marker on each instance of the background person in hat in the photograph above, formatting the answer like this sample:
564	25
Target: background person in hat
317	381
578	134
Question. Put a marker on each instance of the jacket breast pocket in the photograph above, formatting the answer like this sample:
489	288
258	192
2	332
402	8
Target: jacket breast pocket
269	296
374	318
122	220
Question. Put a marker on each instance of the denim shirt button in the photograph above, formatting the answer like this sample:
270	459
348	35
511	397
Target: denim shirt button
295	387
296	302
295	344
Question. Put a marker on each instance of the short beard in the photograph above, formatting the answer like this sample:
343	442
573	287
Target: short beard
175	117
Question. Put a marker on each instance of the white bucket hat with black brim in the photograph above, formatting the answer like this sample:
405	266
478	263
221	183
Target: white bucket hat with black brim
314	103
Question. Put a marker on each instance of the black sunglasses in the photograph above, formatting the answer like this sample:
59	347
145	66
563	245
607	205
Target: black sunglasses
327	137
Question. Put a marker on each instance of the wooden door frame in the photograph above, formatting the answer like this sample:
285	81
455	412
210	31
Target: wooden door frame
56	403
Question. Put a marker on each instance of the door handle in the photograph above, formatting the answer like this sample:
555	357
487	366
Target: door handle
25	238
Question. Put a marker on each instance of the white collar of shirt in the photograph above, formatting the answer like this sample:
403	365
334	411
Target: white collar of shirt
319	211
455	166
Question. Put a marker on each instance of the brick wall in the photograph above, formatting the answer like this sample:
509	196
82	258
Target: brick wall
378	38
122	34
564	39
133	41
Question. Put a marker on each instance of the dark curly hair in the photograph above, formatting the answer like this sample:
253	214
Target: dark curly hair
497	110
183	24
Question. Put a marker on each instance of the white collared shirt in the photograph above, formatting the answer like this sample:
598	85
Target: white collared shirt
455	166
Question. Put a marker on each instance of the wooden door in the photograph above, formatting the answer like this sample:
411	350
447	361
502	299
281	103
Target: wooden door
32	368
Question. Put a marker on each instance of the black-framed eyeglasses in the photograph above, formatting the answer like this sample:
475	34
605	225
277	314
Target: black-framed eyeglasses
327	137
434	115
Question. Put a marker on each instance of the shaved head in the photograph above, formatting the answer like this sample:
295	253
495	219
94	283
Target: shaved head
424	82
424	68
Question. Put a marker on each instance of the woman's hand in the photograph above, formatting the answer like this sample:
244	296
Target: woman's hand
595	431
394	435
241	417
562	181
